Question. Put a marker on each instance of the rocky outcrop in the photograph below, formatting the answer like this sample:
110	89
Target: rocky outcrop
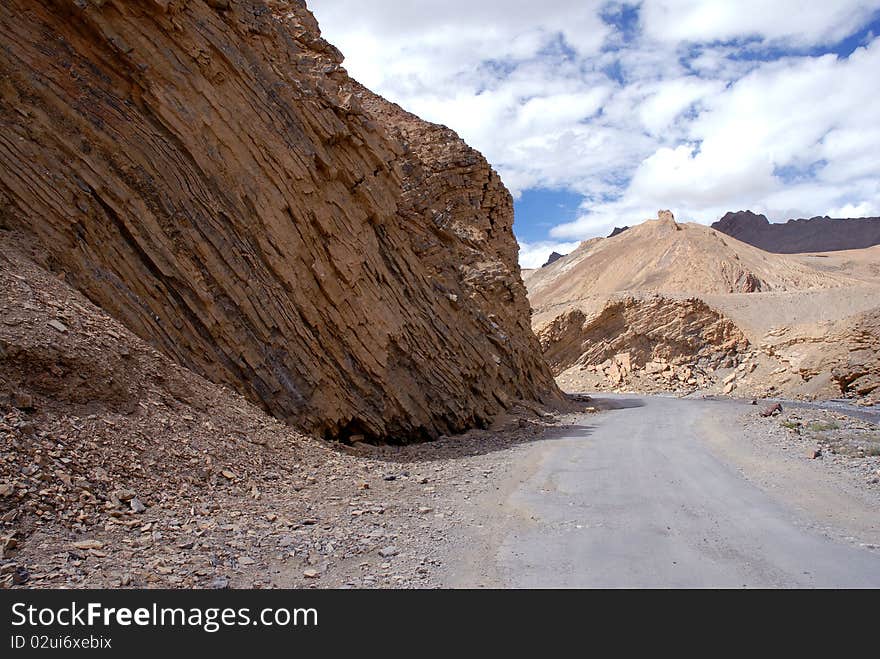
844	356
553	258
617	231
665	217
818	234
668	339
209	175
858	374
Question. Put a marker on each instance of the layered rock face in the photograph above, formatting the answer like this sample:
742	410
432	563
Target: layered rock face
209	175
857	372
672	341
818	234
843	357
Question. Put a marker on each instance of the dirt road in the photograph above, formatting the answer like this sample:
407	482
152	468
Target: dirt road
664	492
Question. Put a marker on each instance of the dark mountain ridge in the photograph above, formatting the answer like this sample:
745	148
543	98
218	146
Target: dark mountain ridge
817	234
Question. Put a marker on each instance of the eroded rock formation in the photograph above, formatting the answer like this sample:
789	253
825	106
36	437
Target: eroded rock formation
671	340
843	356
210	175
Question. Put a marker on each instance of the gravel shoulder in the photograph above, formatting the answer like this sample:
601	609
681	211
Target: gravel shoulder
810	459
328	516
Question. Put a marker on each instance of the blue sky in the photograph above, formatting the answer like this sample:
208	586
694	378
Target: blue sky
538	210
597	114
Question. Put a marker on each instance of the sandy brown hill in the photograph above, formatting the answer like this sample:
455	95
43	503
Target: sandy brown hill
210	175
664	256
680	306
861	264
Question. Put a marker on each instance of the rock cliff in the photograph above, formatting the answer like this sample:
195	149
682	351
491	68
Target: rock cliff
673	341
208	174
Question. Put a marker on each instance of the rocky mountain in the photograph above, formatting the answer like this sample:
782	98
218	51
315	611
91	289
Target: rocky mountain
667	306
553	258
818	234
209	175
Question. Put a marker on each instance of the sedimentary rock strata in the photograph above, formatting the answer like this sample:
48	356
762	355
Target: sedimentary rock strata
672	341
209	175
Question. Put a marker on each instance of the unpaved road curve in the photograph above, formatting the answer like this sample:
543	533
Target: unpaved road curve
651	495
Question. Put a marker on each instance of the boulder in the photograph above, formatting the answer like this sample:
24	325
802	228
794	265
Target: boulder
772	410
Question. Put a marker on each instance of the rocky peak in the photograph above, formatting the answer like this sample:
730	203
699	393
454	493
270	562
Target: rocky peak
553	258
667	218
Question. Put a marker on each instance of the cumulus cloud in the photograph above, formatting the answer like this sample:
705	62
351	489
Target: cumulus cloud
701	106
793	138
534	255
796	22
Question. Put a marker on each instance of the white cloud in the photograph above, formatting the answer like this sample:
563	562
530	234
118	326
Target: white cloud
799	22
669	98
864	209
534	255
388	42
692	110
793	138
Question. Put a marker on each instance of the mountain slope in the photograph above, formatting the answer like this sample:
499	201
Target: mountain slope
663	256
209	175
668	306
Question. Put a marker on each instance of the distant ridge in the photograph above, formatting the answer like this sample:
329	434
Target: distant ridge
818	234
553	258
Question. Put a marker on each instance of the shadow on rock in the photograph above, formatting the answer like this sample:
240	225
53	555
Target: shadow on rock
473	443
616	403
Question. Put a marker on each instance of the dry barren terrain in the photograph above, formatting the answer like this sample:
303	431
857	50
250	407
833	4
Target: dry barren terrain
666	306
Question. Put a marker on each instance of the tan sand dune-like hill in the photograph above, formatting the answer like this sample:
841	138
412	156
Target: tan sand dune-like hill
664	256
